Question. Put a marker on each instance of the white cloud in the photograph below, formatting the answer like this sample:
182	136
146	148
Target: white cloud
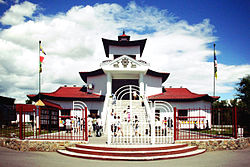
18	13
72	41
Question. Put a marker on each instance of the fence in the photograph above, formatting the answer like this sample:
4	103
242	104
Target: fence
46	123
132	125
195	124
188	124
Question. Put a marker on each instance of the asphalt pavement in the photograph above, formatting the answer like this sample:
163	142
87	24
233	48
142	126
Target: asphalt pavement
227	158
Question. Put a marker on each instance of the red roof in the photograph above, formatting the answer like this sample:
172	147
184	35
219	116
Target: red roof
175	94
68	92
50	104
32	108
25	107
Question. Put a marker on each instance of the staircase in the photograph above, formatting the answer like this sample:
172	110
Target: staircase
128	133
131	152
136	109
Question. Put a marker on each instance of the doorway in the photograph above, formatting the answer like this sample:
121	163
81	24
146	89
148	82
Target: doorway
118	83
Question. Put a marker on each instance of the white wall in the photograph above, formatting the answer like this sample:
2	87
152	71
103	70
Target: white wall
198	108
100	84
153	85
195	104
26	117
128	50
92	105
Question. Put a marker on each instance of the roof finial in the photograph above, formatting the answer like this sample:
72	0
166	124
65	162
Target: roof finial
123	37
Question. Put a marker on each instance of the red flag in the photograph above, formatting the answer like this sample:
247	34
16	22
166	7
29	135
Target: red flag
41	59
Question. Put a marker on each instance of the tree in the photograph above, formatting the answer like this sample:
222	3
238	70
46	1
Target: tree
243	90
243	95
28	101
222	112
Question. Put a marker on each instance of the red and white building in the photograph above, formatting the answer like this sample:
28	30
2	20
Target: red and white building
126	80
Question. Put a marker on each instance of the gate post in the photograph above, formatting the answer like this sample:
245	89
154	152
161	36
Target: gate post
175	123
108	126
39	120
86	123
153	125
21	123
235	122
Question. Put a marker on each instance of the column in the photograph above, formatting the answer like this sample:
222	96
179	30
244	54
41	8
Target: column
141	83
109	84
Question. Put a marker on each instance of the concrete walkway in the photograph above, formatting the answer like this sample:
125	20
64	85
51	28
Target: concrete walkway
98	140
12	158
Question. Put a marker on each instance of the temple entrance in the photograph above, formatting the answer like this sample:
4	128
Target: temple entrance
164	122
132	121
118	83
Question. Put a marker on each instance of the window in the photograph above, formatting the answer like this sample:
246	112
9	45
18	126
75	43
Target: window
93	113
65	112
157	115
182	113
31	117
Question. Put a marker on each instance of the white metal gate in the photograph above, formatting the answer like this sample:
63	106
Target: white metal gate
129	122
164	124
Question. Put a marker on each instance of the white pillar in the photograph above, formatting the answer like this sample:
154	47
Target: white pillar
141	85
153	124
109	127
109	84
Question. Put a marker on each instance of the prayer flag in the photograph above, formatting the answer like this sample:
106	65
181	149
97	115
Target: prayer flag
41	49
41	58
215	65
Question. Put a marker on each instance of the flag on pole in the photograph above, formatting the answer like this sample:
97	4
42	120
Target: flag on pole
41	49
41	57
215	64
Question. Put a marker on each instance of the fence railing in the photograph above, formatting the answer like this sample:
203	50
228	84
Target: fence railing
188	124
195	124
46	124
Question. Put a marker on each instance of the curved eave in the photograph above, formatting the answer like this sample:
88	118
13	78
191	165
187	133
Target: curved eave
203	97
107	43
42	96
164	76
85	75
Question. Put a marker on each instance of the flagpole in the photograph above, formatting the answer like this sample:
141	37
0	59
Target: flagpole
214	70
39	72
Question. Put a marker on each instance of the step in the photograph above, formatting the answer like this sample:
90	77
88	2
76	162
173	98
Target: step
131	147
143	158
134	153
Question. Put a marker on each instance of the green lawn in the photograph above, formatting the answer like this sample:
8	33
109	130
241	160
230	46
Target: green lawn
224	131
9	131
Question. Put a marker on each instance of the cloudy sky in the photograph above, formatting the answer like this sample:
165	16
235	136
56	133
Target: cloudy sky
180	37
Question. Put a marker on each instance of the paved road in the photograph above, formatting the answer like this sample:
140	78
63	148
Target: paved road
12	158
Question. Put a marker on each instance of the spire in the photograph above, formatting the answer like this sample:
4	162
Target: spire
123	37
123	33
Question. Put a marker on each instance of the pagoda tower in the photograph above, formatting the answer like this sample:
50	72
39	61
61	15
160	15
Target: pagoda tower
124	66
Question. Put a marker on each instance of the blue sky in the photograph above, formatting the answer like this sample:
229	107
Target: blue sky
228	25
230	18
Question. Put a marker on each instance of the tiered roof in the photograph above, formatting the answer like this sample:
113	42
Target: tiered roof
85	75
75	93
181	94
69	93
123	41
